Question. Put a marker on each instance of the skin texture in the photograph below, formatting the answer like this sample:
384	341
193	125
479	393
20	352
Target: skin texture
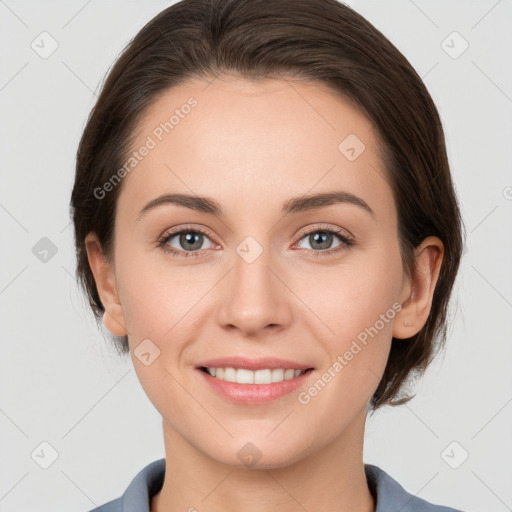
252	146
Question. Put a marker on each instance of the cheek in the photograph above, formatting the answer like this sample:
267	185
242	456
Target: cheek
354	295
161	303
158	306
357	304
358	350
158	297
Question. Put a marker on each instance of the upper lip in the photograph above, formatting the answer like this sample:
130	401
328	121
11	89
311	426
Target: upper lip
253	363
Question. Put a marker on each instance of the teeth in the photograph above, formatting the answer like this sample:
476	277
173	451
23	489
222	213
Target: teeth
243	376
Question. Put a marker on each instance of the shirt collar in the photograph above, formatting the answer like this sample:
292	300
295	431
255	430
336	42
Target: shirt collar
388	494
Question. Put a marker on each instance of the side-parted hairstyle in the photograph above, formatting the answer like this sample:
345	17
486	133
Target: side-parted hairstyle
322	41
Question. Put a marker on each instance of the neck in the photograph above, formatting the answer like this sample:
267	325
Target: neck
330	479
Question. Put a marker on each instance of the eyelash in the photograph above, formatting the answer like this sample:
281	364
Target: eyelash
346	241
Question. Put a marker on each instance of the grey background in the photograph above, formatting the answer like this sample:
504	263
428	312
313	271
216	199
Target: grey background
62	384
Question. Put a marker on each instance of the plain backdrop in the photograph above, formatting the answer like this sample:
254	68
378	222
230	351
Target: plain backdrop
66	398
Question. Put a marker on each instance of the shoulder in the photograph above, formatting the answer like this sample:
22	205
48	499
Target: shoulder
391	496
141	489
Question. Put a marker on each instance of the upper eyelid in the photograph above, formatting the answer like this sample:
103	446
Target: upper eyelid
172	233
325	227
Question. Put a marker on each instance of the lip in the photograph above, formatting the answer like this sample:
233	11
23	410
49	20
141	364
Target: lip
254	363
254	394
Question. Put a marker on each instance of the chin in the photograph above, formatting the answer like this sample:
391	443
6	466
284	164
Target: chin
258	455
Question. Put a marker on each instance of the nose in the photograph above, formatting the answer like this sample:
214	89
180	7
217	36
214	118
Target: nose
254	297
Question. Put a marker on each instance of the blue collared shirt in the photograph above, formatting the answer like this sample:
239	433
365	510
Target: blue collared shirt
389	495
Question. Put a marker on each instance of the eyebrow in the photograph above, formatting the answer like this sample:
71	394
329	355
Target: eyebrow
294	205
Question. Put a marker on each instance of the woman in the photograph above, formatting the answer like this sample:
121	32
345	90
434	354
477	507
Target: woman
265	220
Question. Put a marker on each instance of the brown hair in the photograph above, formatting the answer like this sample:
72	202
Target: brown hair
323	41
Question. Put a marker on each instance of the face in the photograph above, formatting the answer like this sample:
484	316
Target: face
318	284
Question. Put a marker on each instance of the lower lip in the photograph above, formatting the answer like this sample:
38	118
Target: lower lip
254	394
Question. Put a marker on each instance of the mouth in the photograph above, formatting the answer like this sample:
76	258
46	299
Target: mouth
242	386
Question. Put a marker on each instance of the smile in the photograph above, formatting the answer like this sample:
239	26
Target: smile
244	376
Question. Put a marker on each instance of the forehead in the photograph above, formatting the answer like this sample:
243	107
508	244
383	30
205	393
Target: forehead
249	143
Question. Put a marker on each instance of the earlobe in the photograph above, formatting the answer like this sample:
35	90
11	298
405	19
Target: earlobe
104	276
416	308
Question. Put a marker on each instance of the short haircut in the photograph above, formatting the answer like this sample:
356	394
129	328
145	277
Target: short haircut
322	41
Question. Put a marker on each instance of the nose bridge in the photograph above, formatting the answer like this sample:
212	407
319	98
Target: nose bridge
254	297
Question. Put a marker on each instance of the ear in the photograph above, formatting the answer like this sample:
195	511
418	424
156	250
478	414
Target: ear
419	290
104	277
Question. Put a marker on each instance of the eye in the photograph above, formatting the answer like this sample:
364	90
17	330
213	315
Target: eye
185	242
189	241
321	240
